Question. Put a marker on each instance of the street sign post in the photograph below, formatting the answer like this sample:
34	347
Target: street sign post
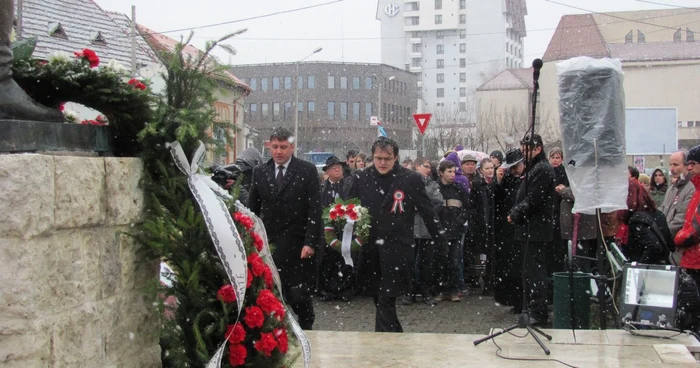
422	121
373	121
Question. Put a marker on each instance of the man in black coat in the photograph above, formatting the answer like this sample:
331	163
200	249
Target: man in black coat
392	194
532	215
285	193
335	276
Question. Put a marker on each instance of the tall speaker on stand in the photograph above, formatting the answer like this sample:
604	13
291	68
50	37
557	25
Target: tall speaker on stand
592	118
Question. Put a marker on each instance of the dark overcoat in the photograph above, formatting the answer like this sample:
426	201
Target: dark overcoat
291	214
386	262
532	212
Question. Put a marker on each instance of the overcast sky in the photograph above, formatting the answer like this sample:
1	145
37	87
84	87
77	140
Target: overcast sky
347	30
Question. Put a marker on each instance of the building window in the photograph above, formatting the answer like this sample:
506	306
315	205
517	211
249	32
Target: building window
440	49
331	110
413	6
287	82
462	33
265	109
412	21
368	82
355	82
263	84
439	34
368	110
462	4
275	111
356	111
417	47
438	4
440	63
253	111
440	78
462	19
331	81
641	38
415	34
300	107
287	111
300	82
689	35
343	111
462	77
275	83
462	92
254	84
310	109
462	48
343	82
441	92
311	82
462	106
462	63
438	19
676	36
415	62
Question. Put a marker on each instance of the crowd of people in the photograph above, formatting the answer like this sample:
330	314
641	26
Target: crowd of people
466	226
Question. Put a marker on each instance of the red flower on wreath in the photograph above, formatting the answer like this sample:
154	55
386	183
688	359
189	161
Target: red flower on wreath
254	317
249	280
237	354
136	84
235	333
268	302
62	106
350	212
226	294
257	264
90	56
337	211
267	276
244	220
266	344
282	339
257	241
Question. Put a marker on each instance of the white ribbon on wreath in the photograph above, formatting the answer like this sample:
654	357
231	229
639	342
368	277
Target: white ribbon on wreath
346	245
227	241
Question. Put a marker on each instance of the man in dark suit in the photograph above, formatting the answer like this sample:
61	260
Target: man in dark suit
532	216
285	193
392	194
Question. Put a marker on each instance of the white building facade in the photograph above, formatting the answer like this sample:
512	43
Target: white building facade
454	46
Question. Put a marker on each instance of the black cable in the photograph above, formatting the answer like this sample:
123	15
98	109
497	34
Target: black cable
664	4
499	350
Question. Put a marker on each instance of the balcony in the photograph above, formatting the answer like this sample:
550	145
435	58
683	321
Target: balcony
415	54
413	40
415	69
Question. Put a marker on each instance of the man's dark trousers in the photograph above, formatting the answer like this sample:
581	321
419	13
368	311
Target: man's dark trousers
536	279
386	318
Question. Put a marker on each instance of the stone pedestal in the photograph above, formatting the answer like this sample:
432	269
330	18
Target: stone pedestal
73	292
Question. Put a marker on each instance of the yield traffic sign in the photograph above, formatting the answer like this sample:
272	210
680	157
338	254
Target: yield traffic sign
422	121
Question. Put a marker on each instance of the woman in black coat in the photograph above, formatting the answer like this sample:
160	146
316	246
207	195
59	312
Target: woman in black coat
482	202
649	238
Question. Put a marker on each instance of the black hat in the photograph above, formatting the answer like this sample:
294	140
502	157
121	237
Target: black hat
333	161
694	154
513	157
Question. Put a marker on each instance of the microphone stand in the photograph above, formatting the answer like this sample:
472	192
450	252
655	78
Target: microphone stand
524	319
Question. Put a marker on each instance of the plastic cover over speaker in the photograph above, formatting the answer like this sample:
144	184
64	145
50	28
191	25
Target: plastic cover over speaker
592	118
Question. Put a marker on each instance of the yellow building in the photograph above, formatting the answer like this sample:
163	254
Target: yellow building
659	54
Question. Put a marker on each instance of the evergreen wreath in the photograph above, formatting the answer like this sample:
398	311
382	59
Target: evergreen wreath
338	214
126	103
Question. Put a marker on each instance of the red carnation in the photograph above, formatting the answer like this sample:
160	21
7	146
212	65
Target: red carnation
352	215
333	214
266	344
244	220
237	354
267	276
250	279
257	241
235	333
90	56
268	302
136	84
254	317
282	339
226	294
257	264
62	106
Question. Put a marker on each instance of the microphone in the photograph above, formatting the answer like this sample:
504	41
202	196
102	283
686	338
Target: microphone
536	66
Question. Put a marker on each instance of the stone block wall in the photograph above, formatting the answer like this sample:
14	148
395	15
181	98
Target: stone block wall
72	290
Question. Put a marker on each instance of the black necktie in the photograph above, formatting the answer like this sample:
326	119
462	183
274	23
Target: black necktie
280	175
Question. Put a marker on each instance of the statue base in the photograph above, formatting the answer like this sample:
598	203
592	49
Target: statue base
18	136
